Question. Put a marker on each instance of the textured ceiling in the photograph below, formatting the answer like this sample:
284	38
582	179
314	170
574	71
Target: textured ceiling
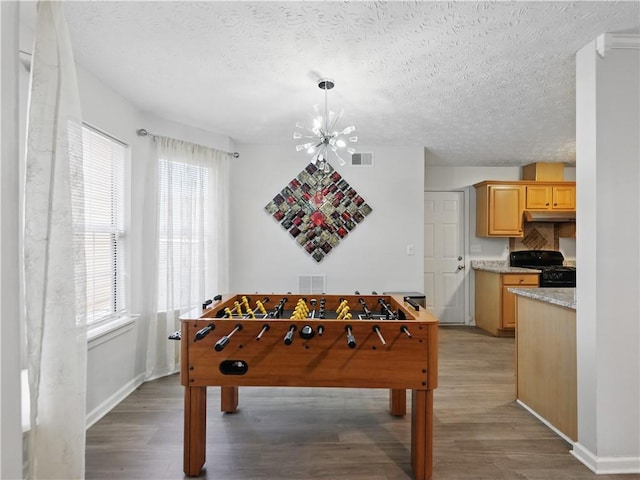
475	83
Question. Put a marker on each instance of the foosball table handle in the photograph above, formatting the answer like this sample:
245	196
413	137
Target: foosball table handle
351	340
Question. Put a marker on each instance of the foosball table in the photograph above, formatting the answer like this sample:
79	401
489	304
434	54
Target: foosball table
349	341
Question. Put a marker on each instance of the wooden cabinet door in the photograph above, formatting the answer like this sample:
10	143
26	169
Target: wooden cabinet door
564	197
505	210
508	307
509	310
538	197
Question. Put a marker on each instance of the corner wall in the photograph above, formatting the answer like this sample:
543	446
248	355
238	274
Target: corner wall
608	219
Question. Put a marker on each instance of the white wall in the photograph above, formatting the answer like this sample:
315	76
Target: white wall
265	258
608	219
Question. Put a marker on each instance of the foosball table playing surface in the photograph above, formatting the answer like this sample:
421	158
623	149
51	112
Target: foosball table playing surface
349	341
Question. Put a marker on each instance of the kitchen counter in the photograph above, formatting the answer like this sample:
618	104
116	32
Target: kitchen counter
563	297
546	359
499	266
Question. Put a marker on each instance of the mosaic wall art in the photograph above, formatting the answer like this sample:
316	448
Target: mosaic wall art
318	209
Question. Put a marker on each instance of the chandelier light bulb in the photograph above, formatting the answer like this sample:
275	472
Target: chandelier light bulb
351	151
326	134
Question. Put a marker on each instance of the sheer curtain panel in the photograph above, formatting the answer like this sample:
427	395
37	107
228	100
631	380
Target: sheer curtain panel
53	251
191	241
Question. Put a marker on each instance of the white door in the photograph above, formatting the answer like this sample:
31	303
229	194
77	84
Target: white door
444	275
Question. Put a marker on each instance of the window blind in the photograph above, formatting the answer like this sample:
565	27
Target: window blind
103	163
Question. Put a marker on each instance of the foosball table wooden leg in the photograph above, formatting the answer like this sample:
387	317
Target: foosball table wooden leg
422	434
228	399
195	429
398	402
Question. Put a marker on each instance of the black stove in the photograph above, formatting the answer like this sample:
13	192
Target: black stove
550	263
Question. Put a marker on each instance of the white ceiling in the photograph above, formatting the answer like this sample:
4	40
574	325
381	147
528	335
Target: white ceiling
475	83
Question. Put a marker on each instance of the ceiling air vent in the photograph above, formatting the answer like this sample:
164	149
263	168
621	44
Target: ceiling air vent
362	159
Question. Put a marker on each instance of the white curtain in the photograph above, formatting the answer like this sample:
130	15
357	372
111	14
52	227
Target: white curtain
53	253
190	242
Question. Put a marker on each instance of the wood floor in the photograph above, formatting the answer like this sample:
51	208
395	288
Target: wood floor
303	433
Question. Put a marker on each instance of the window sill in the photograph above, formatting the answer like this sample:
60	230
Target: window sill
95	336
104	332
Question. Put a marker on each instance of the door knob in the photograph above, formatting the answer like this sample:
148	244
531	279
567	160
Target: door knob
459	258
460	267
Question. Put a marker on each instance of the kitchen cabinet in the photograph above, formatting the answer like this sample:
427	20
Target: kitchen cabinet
546	366
550	197
499	207
495	310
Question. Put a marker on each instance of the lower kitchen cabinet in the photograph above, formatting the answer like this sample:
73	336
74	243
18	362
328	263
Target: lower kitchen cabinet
495	306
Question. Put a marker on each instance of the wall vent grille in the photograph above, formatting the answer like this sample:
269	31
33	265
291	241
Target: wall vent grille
312	284
362	159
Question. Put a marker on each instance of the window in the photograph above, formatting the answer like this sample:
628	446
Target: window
103	164
185	229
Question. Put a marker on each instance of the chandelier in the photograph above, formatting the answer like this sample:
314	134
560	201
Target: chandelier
324	137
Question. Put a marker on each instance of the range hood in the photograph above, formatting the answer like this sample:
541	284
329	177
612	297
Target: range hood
549	216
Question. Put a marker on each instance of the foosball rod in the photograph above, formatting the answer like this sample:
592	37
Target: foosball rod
220	344
265	327
405	330
259	306
288	338
410	301
365	309
351	340
386	309
206	303
277	311
203	332
376	329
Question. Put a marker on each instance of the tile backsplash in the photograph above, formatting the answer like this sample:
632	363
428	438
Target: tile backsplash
537	236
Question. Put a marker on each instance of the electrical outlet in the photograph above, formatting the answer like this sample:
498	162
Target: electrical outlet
411	250
476	248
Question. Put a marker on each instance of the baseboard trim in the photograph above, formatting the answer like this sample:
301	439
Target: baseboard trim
108	404
605	465
545	421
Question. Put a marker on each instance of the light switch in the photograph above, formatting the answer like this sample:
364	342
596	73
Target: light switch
411	250
476	248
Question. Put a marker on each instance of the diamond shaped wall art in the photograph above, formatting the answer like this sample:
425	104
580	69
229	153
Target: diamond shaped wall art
318	208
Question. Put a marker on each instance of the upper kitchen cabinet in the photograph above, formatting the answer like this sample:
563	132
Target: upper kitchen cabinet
499	207
551	197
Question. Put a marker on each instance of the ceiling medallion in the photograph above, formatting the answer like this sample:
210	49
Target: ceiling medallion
324	137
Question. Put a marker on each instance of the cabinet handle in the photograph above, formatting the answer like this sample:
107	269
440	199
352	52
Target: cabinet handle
546	204
555	204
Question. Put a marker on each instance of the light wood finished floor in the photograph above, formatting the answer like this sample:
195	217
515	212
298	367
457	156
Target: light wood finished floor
347	434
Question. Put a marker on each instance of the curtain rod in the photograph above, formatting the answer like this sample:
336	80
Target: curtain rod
144	133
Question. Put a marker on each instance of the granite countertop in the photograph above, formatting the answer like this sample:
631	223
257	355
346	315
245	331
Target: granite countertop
499	266
564	297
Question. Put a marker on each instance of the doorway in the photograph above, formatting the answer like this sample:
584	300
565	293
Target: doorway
444	263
